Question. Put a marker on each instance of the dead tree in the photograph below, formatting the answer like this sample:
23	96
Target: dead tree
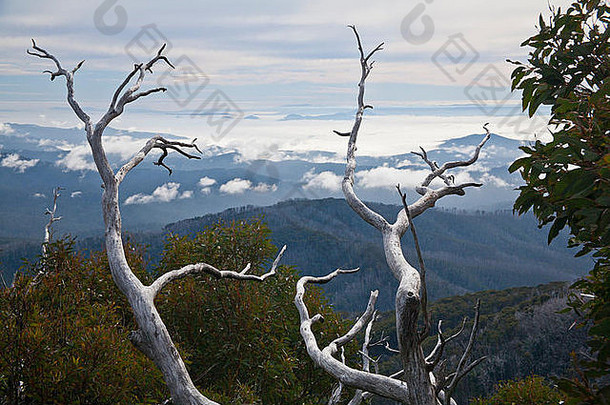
152	337
415	384
52	219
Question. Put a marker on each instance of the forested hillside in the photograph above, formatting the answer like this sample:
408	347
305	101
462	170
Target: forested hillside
521	334
463	251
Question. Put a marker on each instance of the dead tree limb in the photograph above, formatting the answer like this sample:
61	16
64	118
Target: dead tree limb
48	231
360	395
335	396
152	336
422	267
375	383
463	369
411	295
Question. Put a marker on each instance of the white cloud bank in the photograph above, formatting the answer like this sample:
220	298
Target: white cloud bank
5	129
236	186
239	186
378	177
384	176
79	157
14	161
205	184
324	180
389	177
165	193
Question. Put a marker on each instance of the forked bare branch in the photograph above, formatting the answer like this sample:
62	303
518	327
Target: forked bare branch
439	172
335	396
435	355
122	97
352	199
204	268
375	383
52	220
462	369
68	74
157	142
177	146
360	395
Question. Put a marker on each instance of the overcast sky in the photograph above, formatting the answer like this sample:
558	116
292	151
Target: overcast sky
267	60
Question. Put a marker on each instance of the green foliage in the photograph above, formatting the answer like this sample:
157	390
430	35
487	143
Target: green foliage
241	339
533	390
64	335
592	385
568	178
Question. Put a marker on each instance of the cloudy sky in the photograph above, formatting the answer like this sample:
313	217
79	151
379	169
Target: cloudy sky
260	76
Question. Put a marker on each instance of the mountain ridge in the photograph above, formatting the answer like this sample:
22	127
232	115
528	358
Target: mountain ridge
464	252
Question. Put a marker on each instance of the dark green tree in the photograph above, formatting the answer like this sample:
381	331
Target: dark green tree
241	340
65	326
63	337
568	178
533	390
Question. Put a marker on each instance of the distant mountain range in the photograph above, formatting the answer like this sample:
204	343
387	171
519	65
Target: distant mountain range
34	160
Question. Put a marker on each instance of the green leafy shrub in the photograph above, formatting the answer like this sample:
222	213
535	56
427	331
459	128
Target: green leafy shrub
567	179
64	335
64	327
241	338
533	390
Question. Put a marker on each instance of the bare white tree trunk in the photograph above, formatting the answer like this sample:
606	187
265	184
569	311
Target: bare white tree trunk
52	219
152	337
415	383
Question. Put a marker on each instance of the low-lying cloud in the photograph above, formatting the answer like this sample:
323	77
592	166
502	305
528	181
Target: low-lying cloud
240	186
14	161
79	157
205	184
324	181
5	129
384	176
165	193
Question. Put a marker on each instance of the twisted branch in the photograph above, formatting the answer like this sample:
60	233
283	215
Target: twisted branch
122	97
374	383
440	171
360	395
157	142
335	396
430	196
204	268
435	355
68	74
461	370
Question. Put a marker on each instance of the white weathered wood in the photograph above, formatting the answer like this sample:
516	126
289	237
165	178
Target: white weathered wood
375	383
197	268
152	337
52	219
411	294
